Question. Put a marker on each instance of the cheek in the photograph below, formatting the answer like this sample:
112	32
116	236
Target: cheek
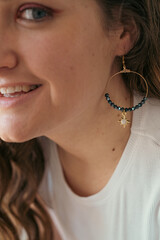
71	64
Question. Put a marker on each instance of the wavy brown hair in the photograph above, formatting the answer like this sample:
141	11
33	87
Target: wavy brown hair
22	165
144	57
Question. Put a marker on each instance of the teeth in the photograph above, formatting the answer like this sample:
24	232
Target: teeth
24	88
8	95
33	87
9	90
3	90
18	88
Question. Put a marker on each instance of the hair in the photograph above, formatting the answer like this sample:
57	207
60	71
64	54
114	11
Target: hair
144	57
22	165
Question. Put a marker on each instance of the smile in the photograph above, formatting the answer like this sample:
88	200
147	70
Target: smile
18	95
16	90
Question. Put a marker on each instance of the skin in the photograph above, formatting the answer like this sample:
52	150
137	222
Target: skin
71	55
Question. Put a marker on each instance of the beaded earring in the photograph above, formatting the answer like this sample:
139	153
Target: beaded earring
124	121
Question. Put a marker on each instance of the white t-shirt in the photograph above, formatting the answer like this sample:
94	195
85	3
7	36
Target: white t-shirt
128	207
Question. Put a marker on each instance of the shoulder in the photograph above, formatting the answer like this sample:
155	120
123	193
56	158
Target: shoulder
148	118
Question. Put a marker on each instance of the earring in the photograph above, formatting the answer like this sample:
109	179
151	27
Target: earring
124	121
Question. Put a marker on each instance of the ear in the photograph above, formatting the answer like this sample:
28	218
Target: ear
127	38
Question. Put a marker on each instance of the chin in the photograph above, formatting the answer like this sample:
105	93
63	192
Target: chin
16	132
13	140
15	137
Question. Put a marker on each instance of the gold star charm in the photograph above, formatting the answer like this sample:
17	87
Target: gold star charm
124	121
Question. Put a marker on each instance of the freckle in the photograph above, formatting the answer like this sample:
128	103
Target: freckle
118	115
93	54
113	149
71	67
86	6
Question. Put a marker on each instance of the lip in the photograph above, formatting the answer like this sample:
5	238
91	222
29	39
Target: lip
9	102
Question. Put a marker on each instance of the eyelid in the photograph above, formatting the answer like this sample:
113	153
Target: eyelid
32	5
49	10
27	6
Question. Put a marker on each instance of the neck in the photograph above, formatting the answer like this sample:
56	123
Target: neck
91	147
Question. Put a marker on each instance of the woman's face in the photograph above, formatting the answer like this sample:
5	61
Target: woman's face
65	49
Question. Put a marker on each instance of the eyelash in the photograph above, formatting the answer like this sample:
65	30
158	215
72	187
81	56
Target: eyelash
48	13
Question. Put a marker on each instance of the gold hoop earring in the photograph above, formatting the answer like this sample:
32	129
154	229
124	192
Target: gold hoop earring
124	121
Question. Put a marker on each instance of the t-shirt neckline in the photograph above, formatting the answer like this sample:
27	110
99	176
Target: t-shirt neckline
119	172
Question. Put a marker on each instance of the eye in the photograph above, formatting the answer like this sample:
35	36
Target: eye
34	13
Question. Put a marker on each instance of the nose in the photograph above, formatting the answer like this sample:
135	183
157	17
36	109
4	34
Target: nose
8	59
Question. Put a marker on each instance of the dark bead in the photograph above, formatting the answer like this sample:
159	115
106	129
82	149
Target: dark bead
140	104
136	107
122	109
126	109
109	101
106	95
115	106
129	109
112	104
142	101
